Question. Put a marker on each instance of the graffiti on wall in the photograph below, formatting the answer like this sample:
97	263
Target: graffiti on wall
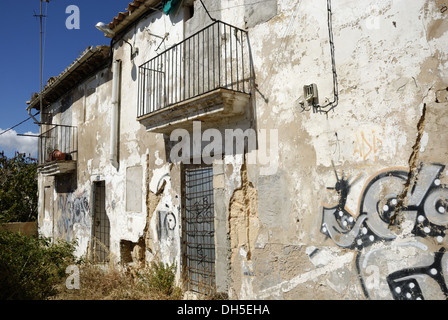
73	209
424	214
367	146
166	224
165	221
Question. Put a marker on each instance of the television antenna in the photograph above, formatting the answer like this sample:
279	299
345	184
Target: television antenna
41	16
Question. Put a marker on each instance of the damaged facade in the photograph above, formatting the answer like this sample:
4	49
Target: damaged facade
337	195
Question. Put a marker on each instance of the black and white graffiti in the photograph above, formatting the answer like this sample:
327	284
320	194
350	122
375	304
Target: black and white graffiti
426	216
166	224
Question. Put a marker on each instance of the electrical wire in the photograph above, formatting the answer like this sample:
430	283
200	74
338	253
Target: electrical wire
331	105
3	132
240	5
208	13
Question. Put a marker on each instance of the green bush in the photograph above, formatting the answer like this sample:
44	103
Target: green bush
30	267
161	277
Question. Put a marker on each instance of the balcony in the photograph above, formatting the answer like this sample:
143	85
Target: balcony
206	77
58	150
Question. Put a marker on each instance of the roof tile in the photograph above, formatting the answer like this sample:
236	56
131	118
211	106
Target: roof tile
132	6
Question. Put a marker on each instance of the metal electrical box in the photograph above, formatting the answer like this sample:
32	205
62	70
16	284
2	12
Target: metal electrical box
310	94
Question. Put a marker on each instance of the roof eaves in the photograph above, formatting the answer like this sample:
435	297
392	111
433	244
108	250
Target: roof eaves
134	10
69	75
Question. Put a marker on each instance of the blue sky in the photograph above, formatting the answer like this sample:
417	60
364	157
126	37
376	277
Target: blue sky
20	62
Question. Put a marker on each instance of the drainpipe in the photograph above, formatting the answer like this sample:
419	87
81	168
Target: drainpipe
114	121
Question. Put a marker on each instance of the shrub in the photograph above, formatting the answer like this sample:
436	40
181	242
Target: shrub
160	277
30	267
112	283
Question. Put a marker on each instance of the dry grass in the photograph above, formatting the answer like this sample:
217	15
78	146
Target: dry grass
110	283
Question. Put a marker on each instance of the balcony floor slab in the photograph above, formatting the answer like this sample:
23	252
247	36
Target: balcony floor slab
57	167
210	107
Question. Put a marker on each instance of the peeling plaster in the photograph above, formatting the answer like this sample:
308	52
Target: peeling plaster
338	262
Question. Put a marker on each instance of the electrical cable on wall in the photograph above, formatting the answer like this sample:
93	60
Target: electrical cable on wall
240	5
310	91
208	13
331	105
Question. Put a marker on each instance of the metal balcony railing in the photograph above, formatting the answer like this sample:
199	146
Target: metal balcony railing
58	143
214	57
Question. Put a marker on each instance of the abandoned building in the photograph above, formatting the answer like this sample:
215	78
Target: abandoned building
277	149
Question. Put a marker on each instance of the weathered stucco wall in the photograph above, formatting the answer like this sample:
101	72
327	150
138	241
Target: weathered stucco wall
311	241
349	204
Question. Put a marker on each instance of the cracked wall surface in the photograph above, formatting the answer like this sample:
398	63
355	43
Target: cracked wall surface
413	169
